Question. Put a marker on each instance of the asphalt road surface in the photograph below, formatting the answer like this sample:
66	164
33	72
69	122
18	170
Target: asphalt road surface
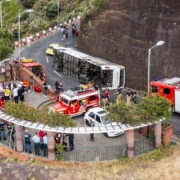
37	52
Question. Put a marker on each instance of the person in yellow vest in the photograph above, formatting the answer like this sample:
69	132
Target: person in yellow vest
7	93
128	96
104	100
119	94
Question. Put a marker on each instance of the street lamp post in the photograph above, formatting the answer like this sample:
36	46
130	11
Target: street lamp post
19	36
159	43
1	9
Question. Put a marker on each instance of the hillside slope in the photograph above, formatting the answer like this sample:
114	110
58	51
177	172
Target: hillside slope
123	30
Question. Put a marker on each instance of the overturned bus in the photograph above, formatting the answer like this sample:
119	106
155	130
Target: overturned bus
88	69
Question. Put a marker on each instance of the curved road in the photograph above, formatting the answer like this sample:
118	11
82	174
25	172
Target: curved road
37	51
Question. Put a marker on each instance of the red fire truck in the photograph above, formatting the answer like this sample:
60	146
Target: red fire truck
75	103
168	88
38	69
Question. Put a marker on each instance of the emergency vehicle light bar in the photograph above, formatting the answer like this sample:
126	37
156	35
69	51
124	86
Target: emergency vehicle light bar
158	79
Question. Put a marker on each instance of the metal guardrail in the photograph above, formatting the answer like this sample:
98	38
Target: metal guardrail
106	153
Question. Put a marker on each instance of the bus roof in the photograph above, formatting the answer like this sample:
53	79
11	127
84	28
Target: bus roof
93	60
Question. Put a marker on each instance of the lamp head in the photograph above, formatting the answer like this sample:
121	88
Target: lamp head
29	10
159	43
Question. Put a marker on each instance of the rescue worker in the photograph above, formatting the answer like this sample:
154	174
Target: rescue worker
104	100
128	96
107	96
134	96
7	93
119	94
27	141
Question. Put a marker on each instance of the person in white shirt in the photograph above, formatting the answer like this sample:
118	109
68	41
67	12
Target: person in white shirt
36	141
45	141
15	94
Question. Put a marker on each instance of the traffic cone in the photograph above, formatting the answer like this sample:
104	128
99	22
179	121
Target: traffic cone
74	19
55	28
70	22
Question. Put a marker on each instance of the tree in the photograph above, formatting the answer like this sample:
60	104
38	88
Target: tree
6	46
23	111
150	109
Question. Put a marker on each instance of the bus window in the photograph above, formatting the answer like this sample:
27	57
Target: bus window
122	78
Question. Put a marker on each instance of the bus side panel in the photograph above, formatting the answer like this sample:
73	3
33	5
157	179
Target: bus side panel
177	101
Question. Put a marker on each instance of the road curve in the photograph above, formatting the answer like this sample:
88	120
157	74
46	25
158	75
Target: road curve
37	52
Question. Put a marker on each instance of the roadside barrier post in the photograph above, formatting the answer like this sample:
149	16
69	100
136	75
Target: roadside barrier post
16	44
158	135
50	30
44	33
55	28
130	143
24	41
51	144
19	138
37	35
31	37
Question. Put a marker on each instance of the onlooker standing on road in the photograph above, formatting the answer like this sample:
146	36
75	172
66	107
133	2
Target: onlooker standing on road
15	94
57	87
36	141
21	93
11	86
71	141
45	141
91	124
27	141
44	87
31	83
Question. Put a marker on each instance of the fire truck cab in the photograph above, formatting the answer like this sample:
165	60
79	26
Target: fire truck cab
168	88
35	67
75	103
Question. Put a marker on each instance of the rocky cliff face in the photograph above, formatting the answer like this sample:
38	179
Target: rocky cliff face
122	31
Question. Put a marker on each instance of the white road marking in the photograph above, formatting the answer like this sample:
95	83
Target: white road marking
47	59
57	73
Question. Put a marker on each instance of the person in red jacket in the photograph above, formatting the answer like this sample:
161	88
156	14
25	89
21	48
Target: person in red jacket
107	95
41	135
77	32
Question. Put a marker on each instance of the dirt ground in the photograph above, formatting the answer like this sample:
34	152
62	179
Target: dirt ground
122	31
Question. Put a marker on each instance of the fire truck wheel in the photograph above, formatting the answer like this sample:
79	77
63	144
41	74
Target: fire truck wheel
172	109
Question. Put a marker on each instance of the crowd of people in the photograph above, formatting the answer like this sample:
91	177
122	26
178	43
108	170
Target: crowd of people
64	31
12	91
40	141
131	96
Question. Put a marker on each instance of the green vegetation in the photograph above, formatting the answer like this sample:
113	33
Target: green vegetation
6	46
150	109
24	112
